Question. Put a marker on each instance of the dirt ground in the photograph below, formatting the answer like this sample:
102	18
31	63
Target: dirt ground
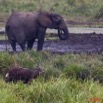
77	43
91	43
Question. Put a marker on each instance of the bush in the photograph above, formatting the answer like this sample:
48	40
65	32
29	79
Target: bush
99	14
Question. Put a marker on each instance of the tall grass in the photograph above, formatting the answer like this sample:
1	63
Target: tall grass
58	84
60	90
86	11
54	64
88	8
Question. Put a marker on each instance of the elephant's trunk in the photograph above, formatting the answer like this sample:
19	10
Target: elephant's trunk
63	34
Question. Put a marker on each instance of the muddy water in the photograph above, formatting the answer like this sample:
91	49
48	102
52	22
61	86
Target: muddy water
91	43
80	40
73	30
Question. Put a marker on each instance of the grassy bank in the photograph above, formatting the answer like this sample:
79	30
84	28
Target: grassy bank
74	10
59	84
67	7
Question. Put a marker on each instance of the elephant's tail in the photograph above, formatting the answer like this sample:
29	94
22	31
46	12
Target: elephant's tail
7	28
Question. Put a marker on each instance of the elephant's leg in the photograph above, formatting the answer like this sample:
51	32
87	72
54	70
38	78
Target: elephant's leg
30	44
13	44
41	36
22	45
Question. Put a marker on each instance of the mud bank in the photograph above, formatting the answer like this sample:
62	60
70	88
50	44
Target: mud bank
77	43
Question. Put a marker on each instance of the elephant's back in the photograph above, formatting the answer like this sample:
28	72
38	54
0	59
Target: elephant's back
21	25
19	17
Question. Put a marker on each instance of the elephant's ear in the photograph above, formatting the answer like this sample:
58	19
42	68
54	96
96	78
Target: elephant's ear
44	19
56	19
48	19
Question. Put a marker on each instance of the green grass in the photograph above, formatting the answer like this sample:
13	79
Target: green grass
76	10
58	84
60	90
67	6
2	37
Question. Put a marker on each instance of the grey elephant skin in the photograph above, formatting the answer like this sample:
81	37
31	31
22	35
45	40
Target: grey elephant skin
25	27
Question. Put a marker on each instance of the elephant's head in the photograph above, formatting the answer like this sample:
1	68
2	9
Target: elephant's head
54	21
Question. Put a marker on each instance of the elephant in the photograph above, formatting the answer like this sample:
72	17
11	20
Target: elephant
25	27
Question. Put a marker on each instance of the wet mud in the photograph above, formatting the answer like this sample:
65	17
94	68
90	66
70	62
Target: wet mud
77	43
